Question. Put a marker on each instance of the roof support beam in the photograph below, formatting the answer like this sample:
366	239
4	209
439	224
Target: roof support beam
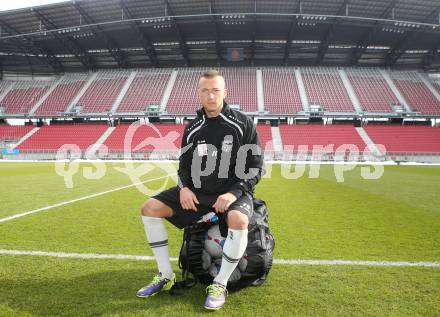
292	31
253	35
432	56
143	37
27	46
325	41
366	38
111	45
406	40
180	37
216	33
68	43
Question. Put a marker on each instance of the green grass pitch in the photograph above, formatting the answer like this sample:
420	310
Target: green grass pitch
393	218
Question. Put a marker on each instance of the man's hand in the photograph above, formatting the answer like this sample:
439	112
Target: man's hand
188	199
224	201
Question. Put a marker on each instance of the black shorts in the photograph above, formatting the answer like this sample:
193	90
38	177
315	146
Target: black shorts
182	218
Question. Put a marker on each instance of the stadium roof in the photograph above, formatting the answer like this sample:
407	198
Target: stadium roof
83	35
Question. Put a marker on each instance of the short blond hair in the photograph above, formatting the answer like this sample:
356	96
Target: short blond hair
211	74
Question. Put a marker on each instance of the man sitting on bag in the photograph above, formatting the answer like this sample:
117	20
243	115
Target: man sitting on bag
220	165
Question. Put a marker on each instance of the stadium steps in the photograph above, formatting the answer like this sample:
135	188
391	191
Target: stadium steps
27	136
394	89
52	137
82	91
100	141
6	91
260	91
369	142
44	97
324	87
430	87
302	90
276	139
415	92
123	91
351	94
11	134
265	135
371	89
168	91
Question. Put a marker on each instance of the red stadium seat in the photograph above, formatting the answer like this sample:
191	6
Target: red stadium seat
419	139
24	95
310	135
61	97
146	89
115	141
103	91
241	85
324	87
281	93
372	90
416	93
265	133
13	132
52	137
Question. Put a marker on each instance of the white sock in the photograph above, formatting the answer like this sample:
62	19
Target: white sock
233	250
158	239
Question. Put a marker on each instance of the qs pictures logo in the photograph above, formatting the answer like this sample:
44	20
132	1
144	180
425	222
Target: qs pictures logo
157	146
140	140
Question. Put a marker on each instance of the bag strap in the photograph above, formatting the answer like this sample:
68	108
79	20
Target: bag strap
187	281
186	238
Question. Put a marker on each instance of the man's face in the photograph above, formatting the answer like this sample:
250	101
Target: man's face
212	92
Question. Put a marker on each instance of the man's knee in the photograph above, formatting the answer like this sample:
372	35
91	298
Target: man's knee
237	220
155	208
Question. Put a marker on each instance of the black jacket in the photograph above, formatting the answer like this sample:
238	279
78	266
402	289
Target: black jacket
219	140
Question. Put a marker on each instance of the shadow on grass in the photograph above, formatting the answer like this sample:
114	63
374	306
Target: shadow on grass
108	293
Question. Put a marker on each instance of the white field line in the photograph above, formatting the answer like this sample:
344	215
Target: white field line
79	199
270	162
275	261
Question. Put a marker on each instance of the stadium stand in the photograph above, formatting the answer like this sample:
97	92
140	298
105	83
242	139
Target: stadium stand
414	139
63	94
310	135
24	95
4	86
103	91
324	87
415	92
146	89
281	93
372	90
184	99
435	82
115	141
241	85
13	132
265	133
52	137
